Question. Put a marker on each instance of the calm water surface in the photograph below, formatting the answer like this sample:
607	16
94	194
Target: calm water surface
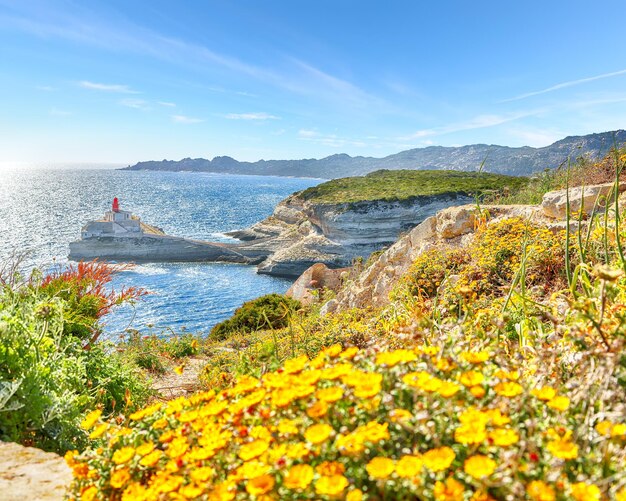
43	210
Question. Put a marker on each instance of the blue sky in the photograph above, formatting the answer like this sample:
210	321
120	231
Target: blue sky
123	81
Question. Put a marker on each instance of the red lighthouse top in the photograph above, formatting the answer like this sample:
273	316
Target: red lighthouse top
116	205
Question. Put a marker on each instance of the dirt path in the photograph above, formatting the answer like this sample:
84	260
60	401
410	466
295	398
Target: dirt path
172	385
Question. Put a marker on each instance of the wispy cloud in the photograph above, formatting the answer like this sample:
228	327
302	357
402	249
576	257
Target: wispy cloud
332	140
251	116
166	104
137	104
478	122
122	89
183	119
563	85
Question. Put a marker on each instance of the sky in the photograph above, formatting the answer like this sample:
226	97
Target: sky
123	81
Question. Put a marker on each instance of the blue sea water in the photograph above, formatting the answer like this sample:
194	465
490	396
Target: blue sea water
44	210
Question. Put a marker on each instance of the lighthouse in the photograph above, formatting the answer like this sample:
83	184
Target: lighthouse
116	205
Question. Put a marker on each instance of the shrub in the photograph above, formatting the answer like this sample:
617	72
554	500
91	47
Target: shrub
271	311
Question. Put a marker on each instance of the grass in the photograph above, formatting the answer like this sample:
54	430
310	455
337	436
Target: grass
405	185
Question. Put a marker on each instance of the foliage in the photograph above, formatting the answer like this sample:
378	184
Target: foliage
405	185
270	311
47	377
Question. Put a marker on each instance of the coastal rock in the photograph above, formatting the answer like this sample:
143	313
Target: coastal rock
554	203
29	473
316	278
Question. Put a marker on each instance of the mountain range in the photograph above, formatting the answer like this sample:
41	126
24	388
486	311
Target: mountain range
521	161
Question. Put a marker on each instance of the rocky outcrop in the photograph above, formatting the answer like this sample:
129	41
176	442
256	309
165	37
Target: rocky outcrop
449	228
554	203
29	473
315	279
301	233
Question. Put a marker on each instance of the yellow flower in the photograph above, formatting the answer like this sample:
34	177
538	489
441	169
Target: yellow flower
145	448
119	478
618	430
177	447
470	434
287	427
191	491
452	490
89	493
331	486
481	496
297	450
479	466
497	418
546	393
151	459
513	375
330	468
90	419
585	492
331	394
179	369
318	433
448	389
621	495
475	357
332	351
123	455
252	450
373	431
354	495
299	477
99	430
471	378
540	491
380	467
318	409
295	365
503	437
201	474
604	428
367	389
397	415
260	485
409	466
439	459
508	389
349	353
477	391
559	403
563	449
391	358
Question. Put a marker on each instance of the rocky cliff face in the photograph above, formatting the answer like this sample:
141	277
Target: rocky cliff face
300	233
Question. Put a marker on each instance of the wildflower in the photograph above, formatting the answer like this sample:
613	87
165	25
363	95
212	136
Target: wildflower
448	389
475	357
479	466
349	353
179	369
318	433
508	389
585	492
621	495
470	434
330	395
260	485
201	474
123	455
354	495
619	430
392	358
253	449
332	351
119	478
563	449
318	409
397	415
471	378
295	365
89	493
380	467
604	428
503	437
331	486
540	491
546	393
409	466
559	403
145	448
151	459
299	477
91	419
439	459
451	490
99	430
477	391
330	468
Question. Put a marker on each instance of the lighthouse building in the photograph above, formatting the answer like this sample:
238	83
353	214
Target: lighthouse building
116	222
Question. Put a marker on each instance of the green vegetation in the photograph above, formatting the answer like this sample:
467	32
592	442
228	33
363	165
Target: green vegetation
267	312
404	185
52	369
156	353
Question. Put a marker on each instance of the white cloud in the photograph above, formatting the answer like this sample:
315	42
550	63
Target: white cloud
167	104
564	85
123	89
137	104
251	116
182	119
332	140
307	133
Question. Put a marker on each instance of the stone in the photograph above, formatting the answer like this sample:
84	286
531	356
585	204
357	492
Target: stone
30	473
317	277
456	221
554	203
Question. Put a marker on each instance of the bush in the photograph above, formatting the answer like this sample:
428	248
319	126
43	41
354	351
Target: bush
267	312
49	377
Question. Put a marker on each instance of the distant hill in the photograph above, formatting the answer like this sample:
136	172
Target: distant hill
499	159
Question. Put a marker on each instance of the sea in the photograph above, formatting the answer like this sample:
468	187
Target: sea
42	211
